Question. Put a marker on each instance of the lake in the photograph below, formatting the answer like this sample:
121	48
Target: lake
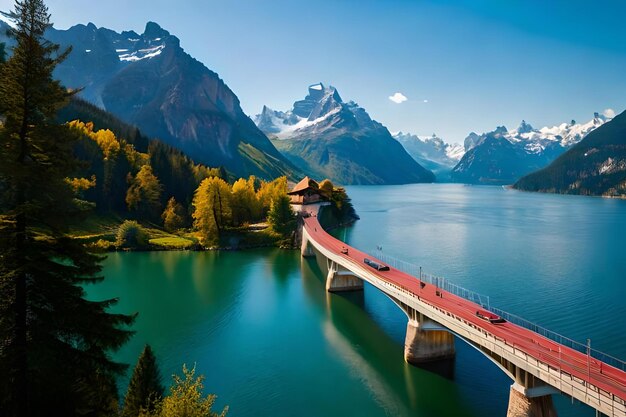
270	341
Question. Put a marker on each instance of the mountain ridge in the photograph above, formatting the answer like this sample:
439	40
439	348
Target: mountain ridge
328	137
148	80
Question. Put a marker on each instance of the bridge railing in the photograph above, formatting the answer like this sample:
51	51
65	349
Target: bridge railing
437	281
559	338
482	300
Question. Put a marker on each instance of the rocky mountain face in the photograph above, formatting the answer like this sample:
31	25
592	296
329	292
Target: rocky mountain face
149	81
503	156
432	153
327	137
594	166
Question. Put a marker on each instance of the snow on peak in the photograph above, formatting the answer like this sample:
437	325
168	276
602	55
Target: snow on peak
431	147
140	54
318	86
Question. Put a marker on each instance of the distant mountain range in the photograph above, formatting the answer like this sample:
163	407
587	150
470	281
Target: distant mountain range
501	156
328	137
432	153
149	81
595	166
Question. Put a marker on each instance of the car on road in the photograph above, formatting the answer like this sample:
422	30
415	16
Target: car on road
376	265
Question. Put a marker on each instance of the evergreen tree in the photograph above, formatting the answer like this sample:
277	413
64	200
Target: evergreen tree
54	344
173	216
145	389
281	218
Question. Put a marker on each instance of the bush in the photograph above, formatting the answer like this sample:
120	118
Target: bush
101	245
131	235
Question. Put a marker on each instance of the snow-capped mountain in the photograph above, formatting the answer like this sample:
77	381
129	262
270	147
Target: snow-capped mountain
431	152
503	156
149	81
328	137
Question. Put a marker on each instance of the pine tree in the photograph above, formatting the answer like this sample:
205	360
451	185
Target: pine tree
145	389
54	344
281	218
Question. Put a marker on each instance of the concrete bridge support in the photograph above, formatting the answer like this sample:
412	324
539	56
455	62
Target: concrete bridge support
522	403
422	346
306	249
426	341
338	279
529	396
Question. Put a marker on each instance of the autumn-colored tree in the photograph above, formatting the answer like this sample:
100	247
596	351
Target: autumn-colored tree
186	398
144	194
245	205
326	188
271	191
212	209
107	142
173	216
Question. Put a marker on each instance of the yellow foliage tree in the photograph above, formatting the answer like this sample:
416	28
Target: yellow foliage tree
173	216
107	141
270	192
245	205
326	188
144	193
212	209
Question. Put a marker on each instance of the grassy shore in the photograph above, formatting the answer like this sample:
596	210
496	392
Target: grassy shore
100	233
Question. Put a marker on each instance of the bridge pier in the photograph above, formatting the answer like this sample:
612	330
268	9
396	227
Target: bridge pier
524	402
306	249
341	280
424	343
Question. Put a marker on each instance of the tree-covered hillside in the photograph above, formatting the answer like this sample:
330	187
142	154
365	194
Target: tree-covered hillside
595	166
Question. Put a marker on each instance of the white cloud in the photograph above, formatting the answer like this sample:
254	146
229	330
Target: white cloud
425	101
398	98
609	113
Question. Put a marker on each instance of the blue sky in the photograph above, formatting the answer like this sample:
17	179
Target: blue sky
478	63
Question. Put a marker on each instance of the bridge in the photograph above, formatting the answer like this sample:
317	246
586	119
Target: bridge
539	362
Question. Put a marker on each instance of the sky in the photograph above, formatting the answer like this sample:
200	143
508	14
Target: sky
420	66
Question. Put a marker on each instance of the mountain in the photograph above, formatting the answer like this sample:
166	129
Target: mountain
595	166
503	156
432	153
149	81
328	137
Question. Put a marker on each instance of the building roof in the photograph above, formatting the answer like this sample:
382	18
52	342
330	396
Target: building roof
305	184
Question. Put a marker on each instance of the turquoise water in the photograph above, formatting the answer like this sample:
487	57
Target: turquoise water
259	325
